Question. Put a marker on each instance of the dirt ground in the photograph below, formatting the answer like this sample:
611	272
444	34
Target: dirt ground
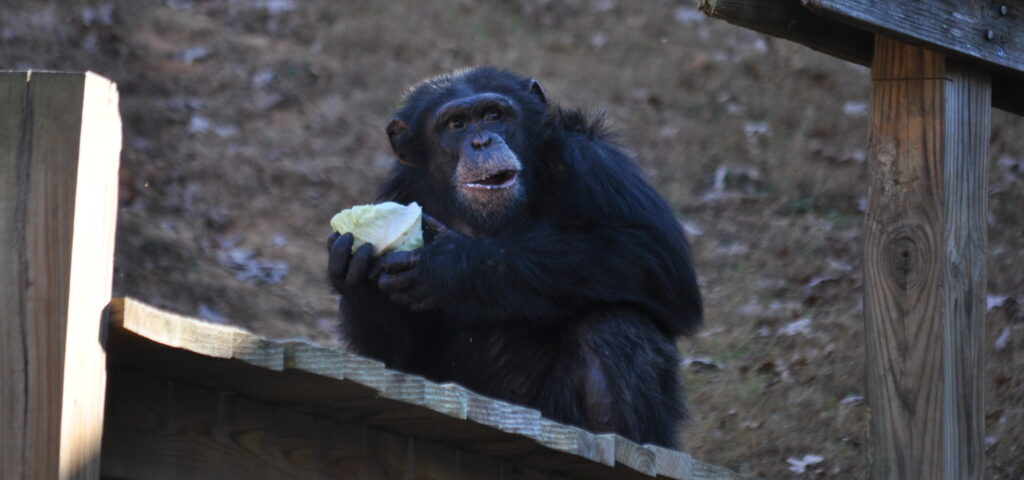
249	123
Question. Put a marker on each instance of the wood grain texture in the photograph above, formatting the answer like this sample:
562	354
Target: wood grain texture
674	466
965	234
59	146
161	429
219	341
924	263
976	29
19	436
92	270
791	20
348	389
706	470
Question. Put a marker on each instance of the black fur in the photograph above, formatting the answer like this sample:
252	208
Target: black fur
570	301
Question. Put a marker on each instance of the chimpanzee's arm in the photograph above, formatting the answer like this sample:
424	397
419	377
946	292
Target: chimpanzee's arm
545	273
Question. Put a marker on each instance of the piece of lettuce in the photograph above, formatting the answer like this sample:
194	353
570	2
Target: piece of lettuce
387	226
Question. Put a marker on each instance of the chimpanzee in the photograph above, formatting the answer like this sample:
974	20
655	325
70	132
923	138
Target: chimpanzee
553	275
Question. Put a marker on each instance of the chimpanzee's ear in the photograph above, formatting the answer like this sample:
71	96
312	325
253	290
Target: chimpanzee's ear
397	135
538	90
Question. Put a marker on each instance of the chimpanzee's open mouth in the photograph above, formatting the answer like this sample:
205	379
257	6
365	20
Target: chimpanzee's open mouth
499	180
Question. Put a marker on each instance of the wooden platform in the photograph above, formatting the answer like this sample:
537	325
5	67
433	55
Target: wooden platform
190	399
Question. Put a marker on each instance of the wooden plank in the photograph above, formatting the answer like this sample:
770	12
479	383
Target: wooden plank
965	208
58	176
448	399
703	470
335	384
571	449
219	341
92	269
790	20
977	29
670	464
28	427
160	429
924	264
503	416
641	458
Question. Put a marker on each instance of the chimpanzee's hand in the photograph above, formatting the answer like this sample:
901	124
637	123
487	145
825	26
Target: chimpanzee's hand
402	276
349	272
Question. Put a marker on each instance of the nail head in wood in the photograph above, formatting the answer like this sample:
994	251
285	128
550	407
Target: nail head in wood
989	35
1003	10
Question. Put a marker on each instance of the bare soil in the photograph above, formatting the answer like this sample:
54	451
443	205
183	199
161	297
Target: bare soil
249	123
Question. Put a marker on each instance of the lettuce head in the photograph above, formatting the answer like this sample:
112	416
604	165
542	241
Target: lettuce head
387	226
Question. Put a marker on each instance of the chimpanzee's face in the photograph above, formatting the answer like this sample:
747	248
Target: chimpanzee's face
473	141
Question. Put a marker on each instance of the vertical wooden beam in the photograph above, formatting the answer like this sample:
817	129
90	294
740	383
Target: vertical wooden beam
60	141
925	236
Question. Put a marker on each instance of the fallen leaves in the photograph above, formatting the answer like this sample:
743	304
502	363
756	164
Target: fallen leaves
248	267
701	364
797	327
799	465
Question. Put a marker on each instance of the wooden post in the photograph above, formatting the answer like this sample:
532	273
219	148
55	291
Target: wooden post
60	142
925	235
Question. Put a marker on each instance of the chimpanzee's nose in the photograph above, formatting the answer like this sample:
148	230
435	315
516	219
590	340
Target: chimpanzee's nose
481	142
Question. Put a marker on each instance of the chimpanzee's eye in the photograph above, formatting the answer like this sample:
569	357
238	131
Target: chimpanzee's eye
456	123
492	115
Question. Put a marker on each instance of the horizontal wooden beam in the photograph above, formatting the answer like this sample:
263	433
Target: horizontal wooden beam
990	31
160	429
791	20
347	388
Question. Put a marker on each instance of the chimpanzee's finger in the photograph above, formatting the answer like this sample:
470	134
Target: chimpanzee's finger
433	229
330	240
359	265
376	270
397	261
337	263
396	282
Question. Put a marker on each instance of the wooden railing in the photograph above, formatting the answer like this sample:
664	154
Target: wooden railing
937	69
